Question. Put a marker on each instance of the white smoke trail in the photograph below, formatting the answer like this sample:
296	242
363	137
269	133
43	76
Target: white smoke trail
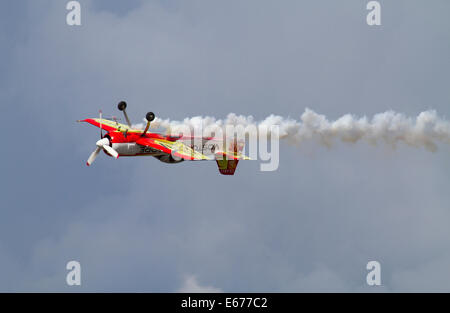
389	127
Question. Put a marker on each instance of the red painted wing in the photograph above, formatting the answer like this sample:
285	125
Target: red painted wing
107	124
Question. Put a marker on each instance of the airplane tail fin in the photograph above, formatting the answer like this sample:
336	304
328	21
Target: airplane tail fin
228	161
227	167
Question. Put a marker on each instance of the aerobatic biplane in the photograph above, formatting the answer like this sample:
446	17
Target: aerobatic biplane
122	140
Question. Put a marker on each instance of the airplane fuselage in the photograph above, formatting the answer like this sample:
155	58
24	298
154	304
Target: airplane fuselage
125	144
124	140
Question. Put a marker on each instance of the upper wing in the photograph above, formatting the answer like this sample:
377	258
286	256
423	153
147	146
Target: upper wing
109	125
175	148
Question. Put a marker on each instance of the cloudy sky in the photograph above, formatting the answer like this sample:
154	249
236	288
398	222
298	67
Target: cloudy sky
141	225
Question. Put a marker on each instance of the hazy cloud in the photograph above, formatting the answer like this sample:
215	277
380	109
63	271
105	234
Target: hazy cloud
191	284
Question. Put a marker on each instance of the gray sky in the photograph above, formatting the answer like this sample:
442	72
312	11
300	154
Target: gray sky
141	225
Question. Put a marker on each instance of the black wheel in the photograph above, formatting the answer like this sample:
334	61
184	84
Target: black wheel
122	105
150	116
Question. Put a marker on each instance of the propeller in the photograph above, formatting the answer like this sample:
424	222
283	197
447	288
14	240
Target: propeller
102	144
93	156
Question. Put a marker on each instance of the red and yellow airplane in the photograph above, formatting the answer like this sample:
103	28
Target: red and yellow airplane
123	140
